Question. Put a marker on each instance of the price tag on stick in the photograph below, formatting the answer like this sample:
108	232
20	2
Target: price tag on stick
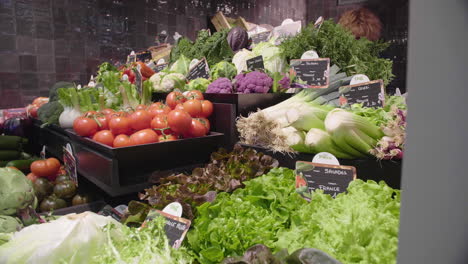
199	70
255	63
176	227
314	72
332	179
260	37
369	94
70	163
159	67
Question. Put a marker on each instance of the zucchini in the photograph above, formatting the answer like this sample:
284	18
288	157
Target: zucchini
12	142
22	165
9	154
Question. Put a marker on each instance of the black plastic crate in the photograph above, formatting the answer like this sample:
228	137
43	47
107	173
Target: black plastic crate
366	169
120	171
52	136
94	207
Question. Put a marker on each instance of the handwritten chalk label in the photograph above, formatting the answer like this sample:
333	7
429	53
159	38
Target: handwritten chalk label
200	70
138	80
332	179
261	37
143	56
131	58
176	227
69	162
159	67
314	72
368	94
255	63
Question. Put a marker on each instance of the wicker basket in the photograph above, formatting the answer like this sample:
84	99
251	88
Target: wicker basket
161	52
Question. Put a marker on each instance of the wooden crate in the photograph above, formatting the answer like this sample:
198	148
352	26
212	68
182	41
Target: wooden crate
220	21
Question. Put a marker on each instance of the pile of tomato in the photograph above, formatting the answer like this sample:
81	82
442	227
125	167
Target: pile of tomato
182	116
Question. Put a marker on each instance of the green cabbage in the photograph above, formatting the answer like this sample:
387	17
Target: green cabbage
223	69
181	65
199	84
9	224
273	59
16	192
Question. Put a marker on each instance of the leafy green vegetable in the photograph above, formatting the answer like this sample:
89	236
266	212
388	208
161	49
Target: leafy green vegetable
53	94
49	113
223	69
145	245
9	224
181	65
360	226
200	84
183	47
226	172
214	48
16	192
335	42
273	58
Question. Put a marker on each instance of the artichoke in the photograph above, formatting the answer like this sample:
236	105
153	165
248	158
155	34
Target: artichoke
16	192
9	224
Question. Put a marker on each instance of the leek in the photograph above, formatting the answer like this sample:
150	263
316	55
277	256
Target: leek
320	141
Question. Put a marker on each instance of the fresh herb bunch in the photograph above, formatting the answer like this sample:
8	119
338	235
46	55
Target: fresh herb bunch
226	172
183	47
333	41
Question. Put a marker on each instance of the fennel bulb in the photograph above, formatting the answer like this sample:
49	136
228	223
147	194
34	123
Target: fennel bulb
68	116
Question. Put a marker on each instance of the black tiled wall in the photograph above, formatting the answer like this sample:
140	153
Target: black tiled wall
44	41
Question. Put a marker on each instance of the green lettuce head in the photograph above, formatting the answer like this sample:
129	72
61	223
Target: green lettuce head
181	65
16	191
199	84
223	69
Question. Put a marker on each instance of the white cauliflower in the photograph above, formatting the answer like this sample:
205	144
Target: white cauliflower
166	82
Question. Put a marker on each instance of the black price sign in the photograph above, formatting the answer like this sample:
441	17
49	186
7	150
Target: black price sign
314	72
176	227
255	63
332	179
199	70
143	56
261	37
369	94
107	210
159	67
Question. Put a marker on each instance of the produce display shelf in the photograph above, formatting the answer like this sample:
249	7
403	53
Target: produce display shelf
51	136
121	171
94	207
388	171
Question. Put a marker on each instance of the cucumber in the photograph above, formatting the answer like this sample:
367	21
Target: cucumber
22	165
26	156
9	154
3	163
11	142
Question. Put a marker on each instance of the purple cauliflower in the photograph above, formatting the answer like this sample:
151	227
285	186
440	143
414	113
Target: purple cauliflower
220	86
253	82
284	83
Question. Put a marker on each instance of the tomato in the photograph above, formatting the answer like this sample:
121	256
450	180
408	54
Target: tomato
103	122
156	105
206	123
81	199
140	119
194	94
65	189
52	203
179	121
159	123
160	109
145	136
207	108
107	111
104	137
141	107
85	126
90	114
42	169
119	125
163	138
193	107
197	129
174	98
42	188
39	101
54	164
121	141
32	177
179	107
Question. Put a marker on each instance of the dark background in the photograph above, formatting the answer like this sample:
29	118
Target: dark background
44	41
